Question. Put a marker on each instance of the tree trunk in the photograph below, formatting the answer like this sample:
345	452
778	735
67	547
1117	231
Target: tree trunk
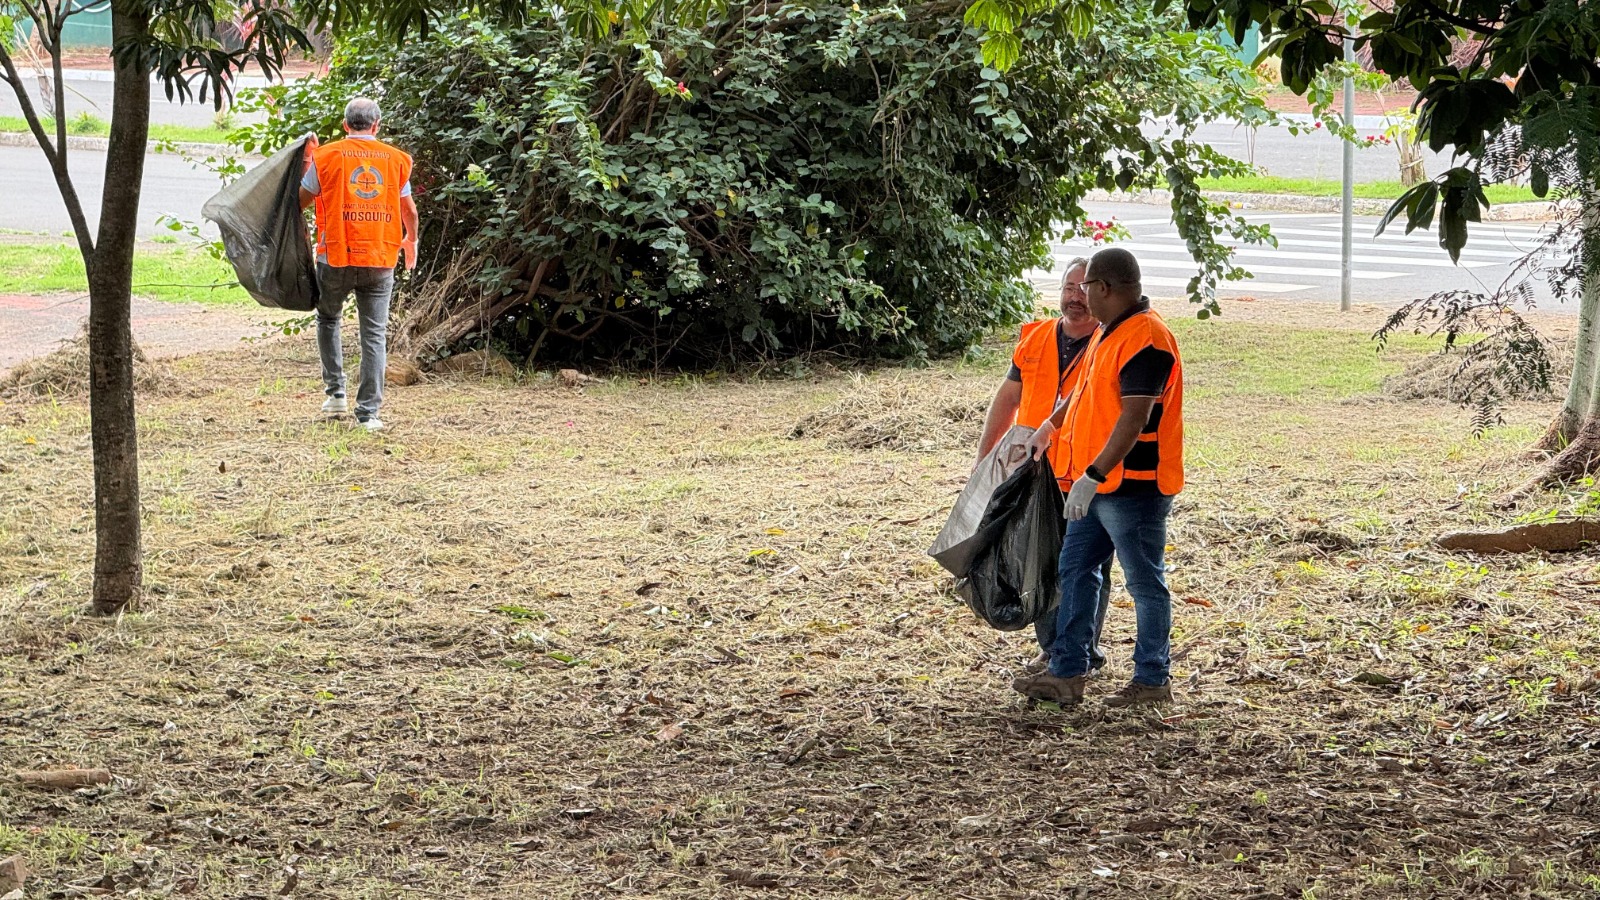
1574	436
118	567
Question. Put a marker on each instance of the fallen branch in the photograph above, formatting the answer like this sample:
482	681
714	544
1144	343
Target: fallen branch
64	779
1553	537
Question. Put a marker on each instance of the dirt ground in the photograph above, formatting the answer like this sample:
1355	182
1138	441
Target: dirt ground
635	640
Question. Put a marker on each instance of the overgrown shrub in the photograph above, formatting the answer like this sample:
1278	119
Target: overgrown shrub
787	178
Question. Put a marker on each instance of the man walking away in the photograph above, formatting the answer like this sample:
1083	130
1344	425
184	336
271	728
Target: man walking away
1044	370
1123	430
366	219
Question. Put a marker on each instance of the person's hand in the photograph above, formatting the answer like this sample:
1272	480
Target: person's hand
1079	497
311	142
1039	444
408	252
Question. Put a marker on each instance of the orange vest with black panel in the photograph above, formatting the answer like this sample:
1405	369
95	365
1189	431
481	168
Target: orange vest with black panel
358	204
1157	457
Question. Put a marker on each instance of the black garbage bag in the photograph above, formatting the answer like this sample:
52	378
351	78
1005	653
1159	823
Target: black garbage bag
958	542
264	232
1011	582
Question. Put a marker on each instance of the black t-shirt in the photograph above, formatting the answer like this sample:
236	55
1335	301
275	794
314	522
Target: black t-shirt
1145	375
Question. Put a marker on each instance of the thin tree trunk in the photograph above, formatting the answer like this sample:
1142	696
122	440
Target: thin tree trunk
1574	436
118	567
1582	395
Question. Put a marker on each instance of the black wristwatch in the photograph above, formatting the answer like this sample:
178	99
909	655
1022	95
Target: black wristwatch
1094	475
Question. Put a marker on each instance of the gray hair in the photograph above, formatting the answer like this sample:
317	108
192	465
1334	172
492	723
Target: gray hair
1073	263
361	114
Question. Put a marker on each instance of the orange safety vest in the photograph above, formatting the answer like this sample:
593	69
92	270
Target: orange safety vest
358	206
1038	358
1097	404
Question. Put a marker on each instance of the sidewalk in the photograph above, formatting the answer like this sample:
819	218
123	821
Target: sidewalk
35	325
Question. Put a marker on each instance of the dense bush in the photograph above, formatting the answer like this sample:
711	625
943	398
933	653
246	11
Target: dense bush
784	179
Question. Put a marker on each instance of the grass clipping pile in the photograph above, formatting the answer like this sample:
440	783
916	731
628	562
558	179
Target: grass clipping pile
64	373
1458	378
639	643
924	413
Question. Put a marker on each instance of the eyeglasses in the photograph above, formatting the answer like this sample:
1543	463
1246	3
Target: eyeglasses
1074	286
1101	281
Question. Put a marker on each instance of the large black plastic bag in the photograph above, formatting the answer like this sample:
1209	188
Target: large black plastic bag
957	543
1008	563
264	232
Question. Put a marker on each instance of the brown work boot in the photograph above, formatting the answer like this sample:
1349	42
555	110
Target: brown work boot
1135	694
1044	686
1040	663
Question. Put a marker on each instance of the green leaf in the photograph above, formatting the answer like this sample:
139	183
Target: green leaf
1539	181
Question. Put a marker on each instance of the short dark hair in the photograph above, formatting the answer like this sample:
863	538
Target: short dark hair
1116	267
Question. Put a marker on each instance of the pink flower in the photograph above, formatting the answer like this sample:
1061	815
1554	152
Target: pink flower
1316	124
682	88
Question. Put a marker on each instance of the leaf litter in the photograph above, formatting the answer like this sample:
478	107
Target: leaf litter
346	723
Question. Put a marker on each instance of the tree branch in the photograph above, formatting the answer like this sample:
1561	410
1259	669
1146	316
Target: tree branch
41	22
29	114
57	160
60	89
1460	21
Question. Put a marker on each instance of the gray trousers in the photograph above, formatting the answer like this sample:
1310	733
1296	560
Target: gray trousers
373	287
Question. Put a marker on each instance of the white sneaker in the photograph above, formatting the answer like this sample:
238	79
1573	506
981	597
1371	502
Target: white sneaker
335	406
372	424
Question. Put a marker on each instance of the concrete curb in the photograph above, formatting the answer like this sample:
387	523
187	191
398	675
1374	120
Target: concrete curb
1504	212
99	144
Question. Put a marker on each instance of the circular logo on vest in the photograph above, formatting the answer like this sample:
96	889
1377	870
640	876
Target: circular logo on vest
367	182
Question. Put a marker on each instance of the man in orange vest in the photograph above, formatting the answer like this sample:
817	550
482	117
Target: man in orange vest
1121	436
366	218
1044	369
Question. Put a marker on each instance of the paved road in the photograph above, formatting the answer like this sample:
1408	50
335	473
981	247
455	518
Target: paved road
33	204
91	93
1387	270
1317	155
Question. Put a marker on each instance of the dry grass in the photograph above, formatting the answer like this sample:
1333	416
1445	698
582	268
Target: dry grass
64	373
638	641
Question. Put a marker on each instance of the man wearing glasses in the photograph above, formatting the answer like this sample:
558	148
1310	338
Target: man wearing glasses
1121	447
1044	370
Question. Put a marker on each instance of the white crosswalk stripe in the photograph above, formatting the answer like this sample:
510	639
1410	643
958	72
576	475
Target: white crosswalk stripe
1307	257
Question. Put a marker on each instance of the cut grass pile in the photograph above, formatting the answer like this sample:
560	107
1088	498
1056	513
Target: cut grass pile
1371	190
180	274
64	373
637	641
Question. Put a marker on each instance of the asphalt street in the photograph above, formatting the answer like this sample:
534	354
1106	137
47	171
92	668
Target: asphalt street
1387	270
33	204
90	92
1316	155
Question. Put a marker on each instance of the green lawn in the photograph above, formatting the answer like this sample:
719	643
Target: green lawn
93	126
1370	190
178	274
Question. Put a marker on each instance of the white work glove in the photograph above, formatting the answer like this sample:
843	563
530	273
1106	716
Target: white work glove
1039	443
1079	498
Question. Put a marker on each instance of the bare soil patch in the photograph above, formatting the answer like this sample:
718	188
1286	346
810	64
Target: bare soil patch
636	640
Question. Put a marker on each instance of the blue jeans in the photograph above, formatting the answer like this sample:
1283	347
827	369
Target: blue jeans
1045	628
373	288
1135	528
